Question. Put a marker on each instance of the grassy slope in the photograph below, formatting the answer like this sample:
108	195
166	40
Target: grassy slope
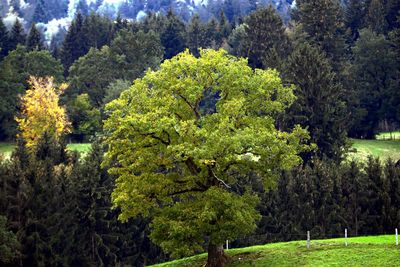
361	251
376	148
7	148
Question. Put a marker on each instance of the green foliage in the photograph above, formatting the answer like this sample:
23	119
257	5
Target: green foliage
264	42
115	89
375	17
3	40
171	152
8	243
138	51
129	56
375	69
217	214
319	105
86	118
173	36
322	21
92	73
17	36
14	73
34	40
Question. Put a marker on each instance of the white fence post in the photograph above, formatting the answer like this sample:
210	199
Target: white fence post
397	237
345	236
308	239
227	245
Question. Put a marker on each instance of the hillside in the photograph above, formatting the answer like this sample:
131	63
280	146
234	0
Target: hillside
53	16
361	251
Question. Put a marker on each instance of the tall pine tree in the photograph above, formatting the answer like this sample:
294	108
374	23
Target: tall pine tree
34	41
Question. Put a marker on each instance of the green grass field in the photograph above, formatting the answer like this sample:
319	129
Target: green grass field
377	148
7	148
360	150
388	136
361	251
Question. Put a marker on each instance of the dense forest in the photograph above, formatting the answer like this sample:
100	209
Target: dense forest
342	59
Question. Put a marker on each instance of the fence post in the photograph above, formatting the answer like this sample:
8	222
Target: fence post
397	237
308	239
345	236
227	245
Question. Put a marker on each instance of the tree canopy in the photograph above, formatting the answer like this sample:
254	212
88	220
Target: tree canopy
41	113
182	136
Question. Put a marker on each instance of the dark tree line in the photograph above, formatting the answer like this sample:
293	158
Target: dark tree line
325	199
59	208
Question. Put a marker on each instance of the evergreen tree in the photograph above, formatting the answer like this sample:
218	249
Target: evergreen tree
41	13
354	194
173	37
3	40
8	243
82	8
375	72
96	31
322	21
224	29
373	204
392	14
319	105
196	35
392	175
265	44
73	46
354	17
34	41
376	16
16	36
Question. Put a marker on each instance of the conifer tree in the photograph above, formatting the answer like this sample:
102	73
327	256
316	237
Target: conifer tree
16	36
392	14
375	73
196	34
173	36
319	105
322	21
376	17
265	44
34	41
354	18
73	46
224	29
373	203
41	13
3	40
392	175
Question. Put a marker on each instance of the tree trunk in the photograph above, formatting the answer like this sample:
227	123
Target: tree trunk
216	256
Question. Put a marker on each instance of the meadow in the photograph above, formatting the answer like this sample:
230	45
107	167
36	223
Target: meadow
7	148
361	251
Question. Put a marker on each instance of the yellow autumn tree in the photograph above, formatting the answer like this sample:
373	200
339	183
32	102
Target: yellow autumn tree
41	112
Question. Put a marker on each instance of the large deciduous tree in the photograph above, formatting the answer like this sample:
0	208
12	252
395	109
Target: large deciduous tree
182	136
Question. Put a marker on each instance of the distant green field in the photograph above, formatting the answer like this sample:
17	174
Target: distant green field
7	148
377	148
361	251
388	136
360	149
